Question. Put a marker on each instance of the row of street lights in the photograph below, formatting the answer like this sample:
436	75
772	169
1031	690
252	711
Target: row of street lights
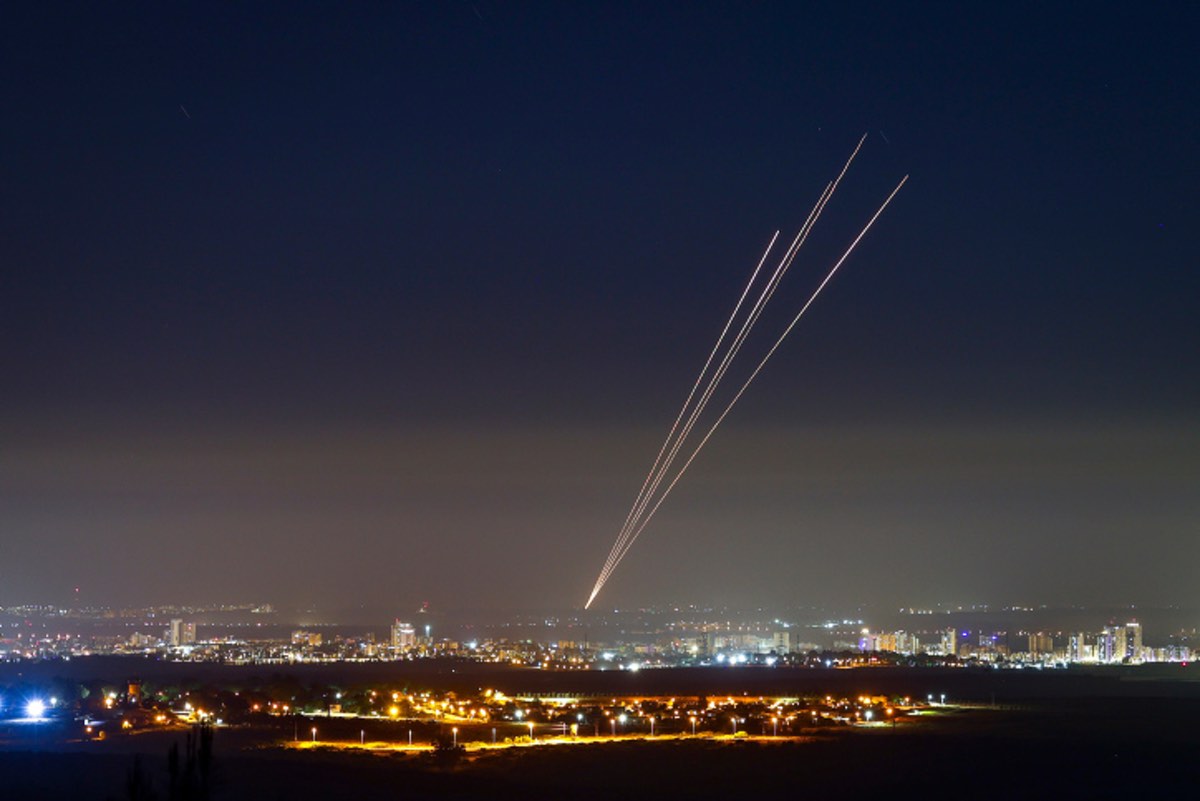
622	719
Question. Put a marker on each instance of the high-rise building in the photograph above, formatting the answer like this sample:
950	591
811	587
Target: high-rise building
181	633
1041	644
404	636
949	642
907	643
1077	650
307	638
1110	645
1133	641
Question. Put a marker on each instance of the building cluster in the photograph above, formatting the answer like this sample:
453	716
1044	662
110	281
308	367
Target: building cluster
1114	644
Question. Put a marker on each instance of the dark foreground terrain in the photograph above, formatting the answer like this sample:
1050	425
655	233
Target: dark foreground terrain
1083	748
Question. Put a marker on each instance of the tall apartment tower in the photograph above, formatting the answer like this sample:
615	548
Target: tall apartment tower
1110	645
1041	644
404	636
1077	648
1133	641
181	633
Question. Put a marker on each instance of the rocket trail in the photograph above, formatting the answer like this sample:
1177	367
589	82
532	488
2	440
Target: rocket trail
628	544
659	471
762	364
699	379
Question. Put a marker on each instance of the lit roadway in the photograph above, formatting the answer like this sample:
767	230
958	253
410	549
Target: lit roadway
544	741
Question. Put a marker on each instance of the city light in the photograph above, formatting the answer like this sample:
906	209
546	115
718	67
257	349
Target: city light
35	709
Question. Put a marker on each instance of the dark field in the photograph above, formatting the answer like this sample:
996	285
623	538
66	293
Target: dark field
1061	735
1129	750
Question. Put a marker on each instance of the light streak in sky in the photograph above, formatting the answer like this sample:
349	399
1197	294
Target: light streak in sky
638	519
660	468
659	471
758	369
630	517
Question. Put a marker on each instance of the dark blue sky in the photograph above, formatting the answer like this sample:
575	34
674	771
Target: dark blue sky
291	237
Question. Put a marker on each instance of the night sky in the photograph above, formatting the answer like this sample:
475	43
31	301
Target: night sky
377	303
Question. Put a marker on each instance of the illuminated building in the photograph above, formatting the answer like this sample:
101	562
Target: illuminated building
1110	645
310	638
877	642
949	642
139	640
1133	641
1041	644
404	635
181	633
1077	650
